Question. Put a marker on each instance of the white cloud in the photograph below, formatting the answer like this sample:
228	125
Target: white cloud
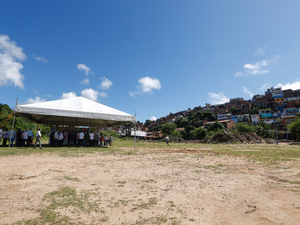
68	95
293	86
92	94
102	94
40	58
35	91
257	68
247	91
83	67
147	84
105	84
36	100
260	51
153	118
218	98
264	87
85	81
10	68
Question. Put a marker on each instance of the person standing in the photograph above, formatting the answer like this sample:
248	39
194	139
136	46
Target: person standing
5	135
1	135
38	137
25	136
81	137
30	136
101	139
91	138
85	139
19	138
167	140
111	140
60	138
56	137
11	136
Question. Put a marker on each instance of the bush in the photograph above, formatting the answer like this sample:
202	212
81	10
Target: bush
245	127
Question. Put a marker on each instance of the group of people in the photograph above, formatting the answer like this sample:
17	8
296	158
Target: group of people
80	139
19	138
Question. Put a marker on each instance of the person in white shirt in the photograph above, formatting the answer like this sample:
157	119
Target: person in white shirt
92	137
38	137
56	137
25	136
81	136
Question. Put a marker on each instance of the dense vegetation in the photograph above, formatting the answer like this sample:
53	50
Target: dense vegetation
20	122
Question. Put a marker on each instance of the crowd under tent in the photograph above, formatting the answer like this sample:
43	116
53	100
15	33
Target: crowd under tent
77	111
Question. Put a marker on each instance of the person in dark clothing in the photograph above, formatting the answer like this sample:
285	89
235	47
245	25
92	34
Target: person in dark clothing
19	138
52	138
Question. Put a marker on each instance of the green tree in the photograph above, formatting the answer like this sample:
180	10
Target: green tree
169	128
209	116
215	126
188	129
181	122
294	127
147	122
199	115
254	110
198	133
192	116
233	109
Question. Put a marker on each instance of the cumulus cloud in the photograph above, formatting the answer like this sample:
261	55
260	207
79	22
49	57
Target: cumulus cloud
102	94
68	95
217	98
105	84
83	67
10	67
153	118
260	51
293	86
247	91
85	81
40	58
257	68
36	100
147	84
93	94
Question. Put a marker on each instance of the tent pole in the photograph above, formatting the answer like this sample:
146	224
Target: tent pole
135	132
12	127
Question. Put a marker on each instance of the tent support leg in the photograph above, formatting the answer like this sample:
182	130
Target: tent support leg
12	127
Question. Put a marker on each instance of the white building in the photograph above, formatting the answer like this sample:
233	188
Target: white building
255	119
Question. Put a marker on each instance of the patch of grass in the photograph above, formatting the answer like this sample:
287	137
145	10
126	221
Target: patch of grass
104	219
294	182
72	178
144	205
121	182
63	198
150	181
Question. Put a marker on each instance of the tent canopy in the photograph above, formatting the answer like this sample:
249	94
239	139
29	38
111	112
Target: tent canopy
78	111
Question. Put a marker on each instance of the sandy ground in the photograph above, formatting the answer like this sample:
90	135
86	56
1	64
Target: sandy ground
165	187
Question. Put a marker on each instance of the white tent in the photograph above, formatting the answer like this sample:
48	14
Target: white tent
76	111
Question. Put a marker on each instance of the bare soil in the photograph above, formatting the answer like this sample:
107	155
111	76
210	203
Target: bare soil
153	187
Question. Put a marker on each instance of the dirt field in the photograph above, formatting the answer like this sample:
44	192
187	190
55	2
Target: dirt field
149	186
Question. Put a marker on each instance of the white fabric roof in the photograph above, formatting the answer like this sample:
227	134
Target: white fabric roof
78	111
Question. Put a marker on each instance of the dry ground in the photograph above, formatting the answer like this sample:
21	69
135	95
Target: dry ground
148	186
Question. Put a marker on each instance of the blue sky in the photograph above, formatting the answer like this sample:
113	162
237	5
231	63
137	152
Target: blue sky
155	57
